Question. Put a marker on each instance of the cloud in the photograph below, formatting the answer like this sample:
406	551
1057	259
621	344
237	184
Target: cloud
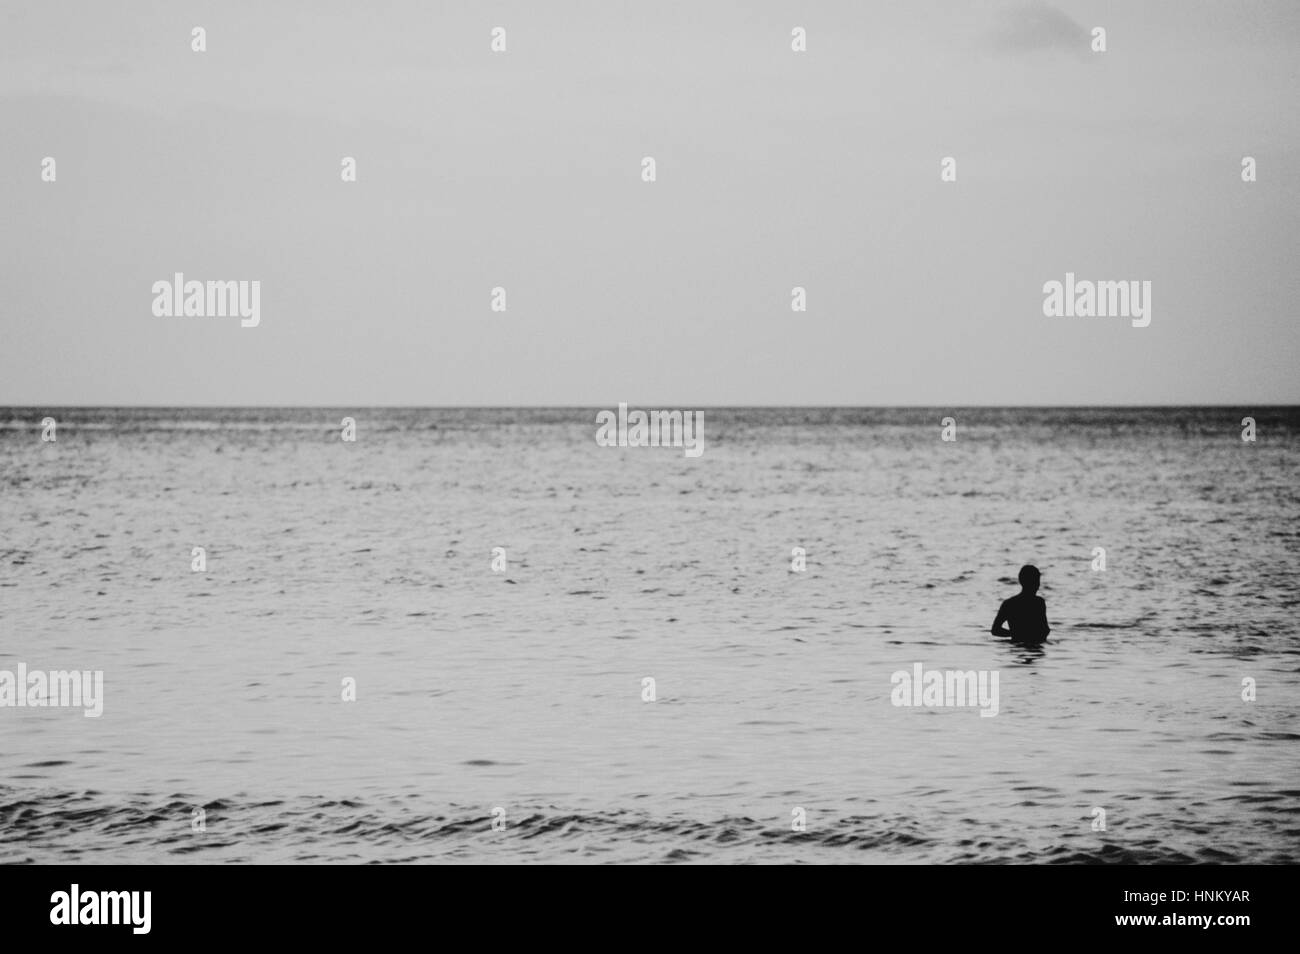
1036	27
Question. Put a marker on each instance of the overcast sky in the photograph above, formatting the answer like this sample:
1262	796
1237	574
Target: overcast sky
775	169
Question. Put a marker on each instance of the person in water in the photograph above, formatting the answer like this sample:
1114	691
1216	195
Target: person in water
1025	613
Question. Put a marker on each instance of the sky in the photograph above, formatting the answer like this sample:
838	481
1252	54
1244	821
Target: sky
774	169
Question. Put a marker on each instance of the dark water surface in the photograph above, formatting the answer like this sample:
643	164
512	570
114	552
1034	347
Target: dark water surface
523	689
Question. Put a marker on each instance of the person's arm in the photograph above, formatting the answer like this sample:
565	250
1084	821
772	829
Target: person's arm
1046	629
997	629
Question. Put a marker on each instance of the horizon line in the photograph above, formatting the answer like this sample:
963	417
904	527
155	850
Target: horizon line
644	404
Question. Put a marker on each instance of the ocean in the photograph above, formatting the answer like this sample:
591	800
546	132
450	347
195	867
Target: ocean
651	671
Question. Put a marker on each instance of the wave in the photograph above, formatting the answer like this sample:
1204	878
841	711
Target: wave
89	827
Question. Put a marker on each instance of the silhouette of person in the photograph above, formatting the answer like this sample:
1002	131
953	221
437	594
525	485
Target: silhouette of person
1025	613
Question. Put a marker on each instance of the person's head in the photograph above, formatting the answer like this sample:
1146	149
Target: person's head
1029	577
